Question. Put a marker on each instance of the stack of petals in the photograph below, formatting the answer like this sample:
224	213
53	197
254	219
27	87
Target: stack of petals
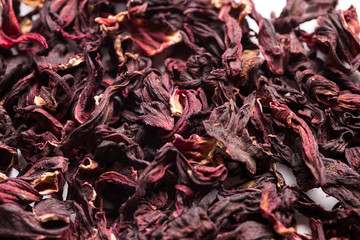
166	119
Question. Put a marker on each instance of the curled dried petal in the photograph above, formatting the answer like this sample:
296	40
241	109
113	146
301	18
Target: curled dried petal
47	183
8	155
310	149
26	224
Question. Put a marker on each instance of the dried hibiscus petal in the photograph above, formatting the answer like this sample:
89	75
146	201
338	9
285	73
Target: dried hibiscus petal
54	212
227	125
27	224
8	156
17	191
10	34
310	150
47	183
169	119
297	12
146	34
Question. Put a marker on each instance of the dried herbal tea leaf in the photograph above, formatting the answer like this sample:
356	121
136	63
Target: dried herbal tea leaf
168	119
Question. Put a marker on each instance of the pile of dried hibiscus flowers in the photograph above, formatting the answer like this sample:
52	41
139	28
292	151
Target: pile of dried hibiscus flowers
165	119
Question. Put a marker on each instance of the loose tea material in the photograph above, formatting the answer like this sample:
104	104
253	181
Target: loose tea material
166	119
